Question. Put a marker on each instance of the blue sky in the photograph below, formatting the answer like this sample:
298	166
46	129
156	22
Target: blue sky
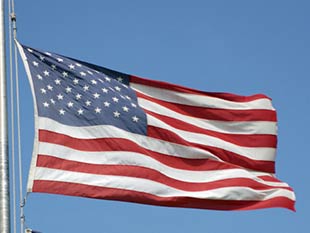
243	47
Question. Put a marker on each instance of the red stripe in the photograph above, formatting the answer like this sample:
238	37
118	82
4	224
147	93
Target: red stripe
269	178
178	88
227	156
147	173
248	140
216	113
89	191
118	144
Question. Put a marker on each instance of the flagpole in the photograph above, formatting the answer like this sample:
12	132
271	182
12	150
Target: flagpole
4	161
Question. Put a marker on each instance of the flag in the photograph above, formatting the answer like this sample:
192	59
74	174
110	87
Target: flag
109	135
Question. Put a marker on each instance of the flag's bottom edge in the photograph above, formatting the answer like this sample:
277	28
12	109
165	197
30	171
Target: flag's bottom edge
88	191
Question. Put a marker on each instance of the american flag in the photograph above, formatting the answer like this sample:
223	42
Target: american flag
109	135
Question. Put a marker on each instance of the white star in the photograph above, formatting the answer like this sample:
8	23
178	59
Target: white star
116	114
60	59
43	91
120	79
106	104
62	112
135	119
86	88
60	97
82	73
53	67
115	99
78	96
46	73
80	111
78	64
35	63
107	79
48	54
42	58
57	81
45	104
98	110
49	87
39	77
30	50
68	89
125	109
128	97
71	66
89	72
96	95
101	80
53	101
94	81
117	88
76	81
70	104
104	90
133	105
64	74
88	103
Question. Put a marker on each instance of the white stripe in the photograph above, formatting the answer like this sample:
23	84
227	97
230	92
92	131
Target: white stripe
200	100
258	153
137	159
107	131
158	189
157	145
248	127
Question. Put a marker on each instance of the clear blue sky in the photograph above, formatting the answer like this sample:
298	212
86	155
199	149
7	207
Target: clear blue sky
243	47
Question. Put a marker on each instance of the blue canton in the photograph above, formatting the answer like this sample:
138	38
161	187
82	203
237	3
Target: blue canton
77	93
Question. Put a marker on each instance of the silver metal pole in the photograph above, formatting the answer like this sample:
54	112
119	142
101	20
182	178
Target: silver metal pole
4	160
